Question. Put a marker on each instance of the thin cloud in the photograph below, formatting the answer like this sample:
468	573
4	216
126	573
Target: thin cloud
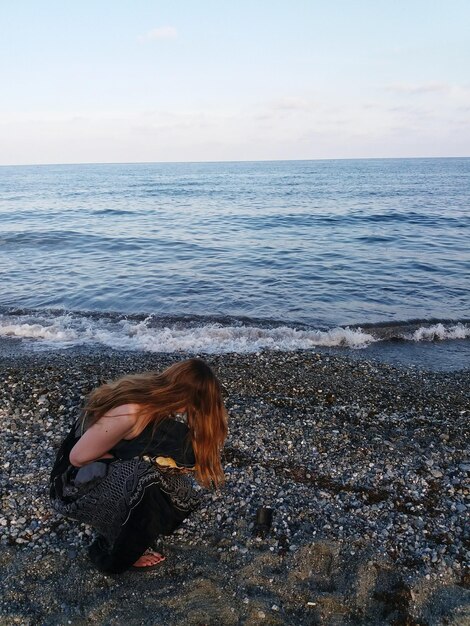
418	89
162	32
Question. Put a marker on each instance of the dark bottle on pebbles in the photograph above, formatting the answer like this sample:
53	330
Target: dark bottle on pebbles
264	518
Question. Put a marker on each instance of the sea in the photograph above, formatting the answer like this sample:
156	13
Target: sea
368	258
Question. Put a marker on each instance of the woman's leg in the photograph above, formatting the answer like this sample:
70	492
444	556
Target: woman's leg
153	516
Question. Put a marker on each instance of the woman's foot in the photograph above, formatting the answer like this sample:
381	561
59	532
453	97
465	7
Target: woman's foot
149	559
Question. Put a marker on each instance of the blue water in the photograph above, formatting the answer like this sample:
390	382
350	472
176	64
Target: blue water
320	244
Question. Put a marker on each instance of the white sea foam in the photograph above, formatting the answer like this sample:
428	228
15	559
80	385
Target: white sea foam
67	330
440	332
52	332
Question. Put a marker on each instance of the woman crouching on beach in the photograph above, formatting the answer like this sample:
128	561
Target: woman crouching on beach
128	466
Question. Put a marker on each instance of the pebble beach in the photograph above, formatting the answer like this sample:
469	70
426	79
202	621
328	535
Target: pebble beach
364	464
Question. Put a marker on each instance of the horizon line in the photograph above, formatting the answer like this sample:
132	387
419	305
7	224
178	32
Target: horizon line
230	161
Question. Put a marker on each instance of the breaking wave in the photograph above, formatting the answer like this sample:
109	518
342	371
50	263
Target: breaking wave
52	330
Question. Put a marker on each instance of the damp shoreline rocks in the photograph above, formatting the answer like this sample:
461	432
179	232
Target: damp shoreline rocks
365	465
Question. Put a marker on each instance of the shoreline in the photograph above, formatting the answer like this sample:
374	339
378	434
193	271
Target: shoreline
363	462
434	356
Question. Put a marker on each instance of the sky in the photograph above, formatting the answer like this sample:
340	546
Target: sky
220	80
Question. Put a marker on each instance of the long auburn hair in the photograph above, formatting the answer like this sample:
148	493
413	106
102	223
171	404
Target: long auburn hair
190	384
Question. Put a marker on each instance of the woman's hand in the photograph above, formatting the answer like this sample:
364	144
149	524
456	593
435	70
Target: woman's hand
95	443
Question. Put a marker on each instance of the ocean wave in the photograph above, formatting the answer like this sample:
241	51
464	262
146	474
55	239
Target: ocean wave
52	332
151	334
144	336
439	332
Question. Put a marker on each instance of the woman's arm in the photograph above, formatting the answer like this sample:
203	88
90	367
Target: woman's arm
103	435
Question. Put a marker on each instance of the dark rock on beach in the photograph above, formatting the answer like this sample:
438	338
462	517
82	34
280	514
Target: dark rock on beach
365	465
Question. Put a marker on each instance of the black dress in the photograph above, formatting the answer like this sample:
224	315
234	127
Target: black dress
129	499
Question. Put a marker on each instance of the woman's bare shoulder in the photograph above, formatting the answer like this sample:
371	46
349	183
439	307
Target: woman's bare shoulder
129	411
128	416
124	417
